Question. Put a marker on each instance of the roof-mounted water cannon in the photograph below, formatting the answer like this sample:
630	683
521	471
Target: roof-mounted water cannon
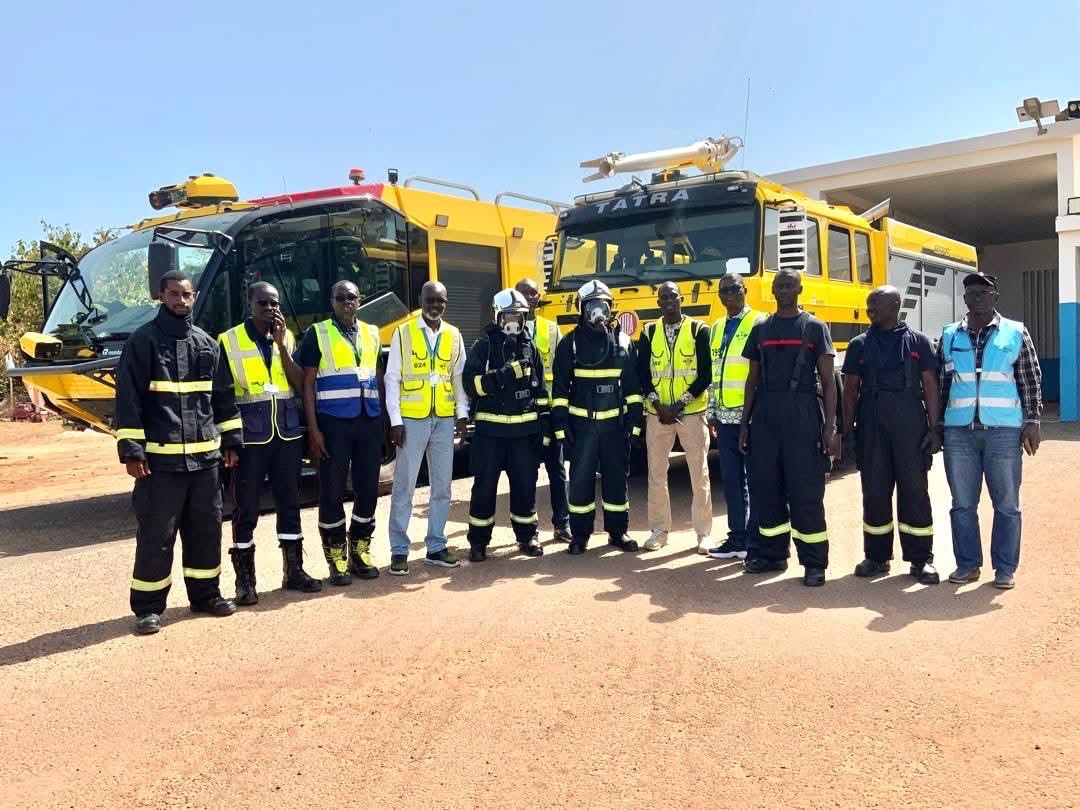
708	155
197	190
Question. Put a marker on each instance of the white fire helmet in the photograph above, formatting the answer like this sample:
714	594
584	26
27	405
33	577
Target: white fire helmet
594	301
510	311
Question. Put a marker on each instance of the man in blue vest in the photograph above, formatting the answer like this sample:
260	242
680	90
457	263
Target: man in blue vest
265	379
991	385
345	428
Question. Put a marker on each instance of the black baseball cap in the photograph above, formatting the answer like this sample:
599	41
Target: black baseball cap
983	279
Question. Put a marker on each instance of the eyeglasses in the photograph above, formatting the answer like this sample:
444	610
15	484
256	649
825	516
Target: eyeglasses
729	290
345	299
266	302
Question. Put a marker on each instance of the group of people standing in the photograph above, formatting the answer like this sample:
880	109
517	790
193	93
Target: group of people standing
761	386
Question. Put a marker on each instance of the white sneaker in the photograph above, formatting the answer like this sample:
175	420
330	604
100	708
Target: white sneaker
704	543
657	540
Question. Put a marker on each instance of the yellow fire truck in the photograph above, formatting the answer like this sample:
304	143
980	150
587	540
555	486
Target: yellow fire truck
693	229
388	238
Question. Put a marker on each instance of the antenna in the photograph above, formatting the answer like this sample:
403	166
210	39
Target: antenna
746	122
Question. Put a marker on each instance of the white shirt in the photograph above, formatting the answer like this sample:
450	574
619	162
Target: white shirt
392	377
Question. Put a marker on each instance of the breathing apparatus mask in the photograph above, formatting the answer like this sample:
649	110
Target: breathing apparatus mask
596	312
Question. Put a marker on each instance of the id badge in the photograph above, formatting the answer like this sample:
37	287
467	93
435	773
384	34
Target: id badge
434	379
270	388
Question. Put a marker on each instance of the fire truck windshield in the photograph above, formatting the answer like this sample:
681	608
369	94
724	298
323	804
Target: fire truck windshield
116	277
658	245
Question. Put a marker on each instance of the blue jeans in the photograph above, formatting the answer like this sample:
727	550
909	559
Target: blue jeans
735	469
971	455
432	437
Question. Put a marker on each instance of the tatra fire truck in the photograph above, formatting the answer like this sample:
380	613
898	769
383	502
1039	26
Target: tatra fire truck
694	227
387	238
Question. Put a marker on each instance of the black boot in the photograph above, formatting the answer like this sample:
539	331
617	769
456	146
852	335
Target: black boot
292	562
477	552
871	568
925	573
360	558
336	553
622	542
531	547
243	560
577	545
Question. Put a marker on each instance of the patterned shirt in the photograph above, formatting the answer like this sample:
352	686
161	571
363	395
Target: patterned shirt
1026	370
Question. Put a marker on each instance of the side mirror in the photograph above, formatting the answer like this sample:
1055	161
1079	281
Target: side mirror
161	258
5	295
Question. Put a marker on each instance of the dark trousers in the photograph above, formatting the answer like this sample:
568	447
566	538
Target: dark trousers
280	460
735	468
788	468
556	473
489	456
357	442
167	502
890	428
608	454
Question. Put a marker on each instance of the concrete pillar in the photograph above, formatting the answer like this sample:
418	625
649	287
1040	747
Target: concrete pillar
1068	230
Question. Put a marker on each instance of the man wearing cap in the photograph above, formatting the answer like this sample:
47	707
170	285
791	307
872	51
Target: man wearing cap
991	385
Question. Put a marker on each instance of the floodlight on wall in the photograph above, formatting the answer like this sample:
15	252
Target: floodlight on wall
1072	109
1034	110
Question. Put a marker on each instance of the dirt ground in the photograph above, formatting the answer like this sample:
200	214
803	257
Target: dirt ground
656	679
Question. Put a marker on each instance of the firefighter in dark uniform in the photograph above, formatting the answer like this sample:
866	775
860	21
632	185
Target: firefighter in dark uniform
176	422
343	406
596	410
789	434
265	381
505	379
890	401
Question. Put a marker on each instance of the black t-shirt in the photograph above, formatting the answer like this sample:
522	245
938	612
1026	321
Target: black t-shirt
781	339
889	351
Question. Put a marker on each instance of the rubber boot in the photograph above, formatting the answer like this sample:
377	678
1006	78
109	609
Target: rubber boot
477	552
243	560
622	542
292	562
336	552
578	545
531	547
360	559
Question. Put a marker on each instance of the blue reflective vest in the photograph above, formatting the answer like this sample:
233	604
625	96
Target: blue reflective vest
990	389
345	383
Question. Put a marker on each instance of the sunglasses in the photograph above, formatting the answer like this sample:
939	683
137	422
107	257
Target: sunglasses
266	302
729	290
345	299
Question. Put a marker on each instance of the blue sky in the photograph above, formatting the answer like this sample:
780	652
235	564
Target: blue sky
101	103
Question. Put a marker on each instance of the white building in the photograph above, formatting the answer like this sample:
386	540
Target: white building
1008	195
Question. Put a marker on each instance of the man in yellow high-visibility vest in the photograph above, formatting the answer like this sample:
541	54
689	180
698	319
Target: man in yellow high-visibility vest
340	358
545	335
675	369
726	396
266	380
428	407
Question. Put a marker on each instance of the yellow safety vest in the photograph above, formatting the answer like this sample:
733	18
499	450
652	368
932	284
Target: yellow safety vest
730	369
346	383
672	372
259	389
545	340
427	372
